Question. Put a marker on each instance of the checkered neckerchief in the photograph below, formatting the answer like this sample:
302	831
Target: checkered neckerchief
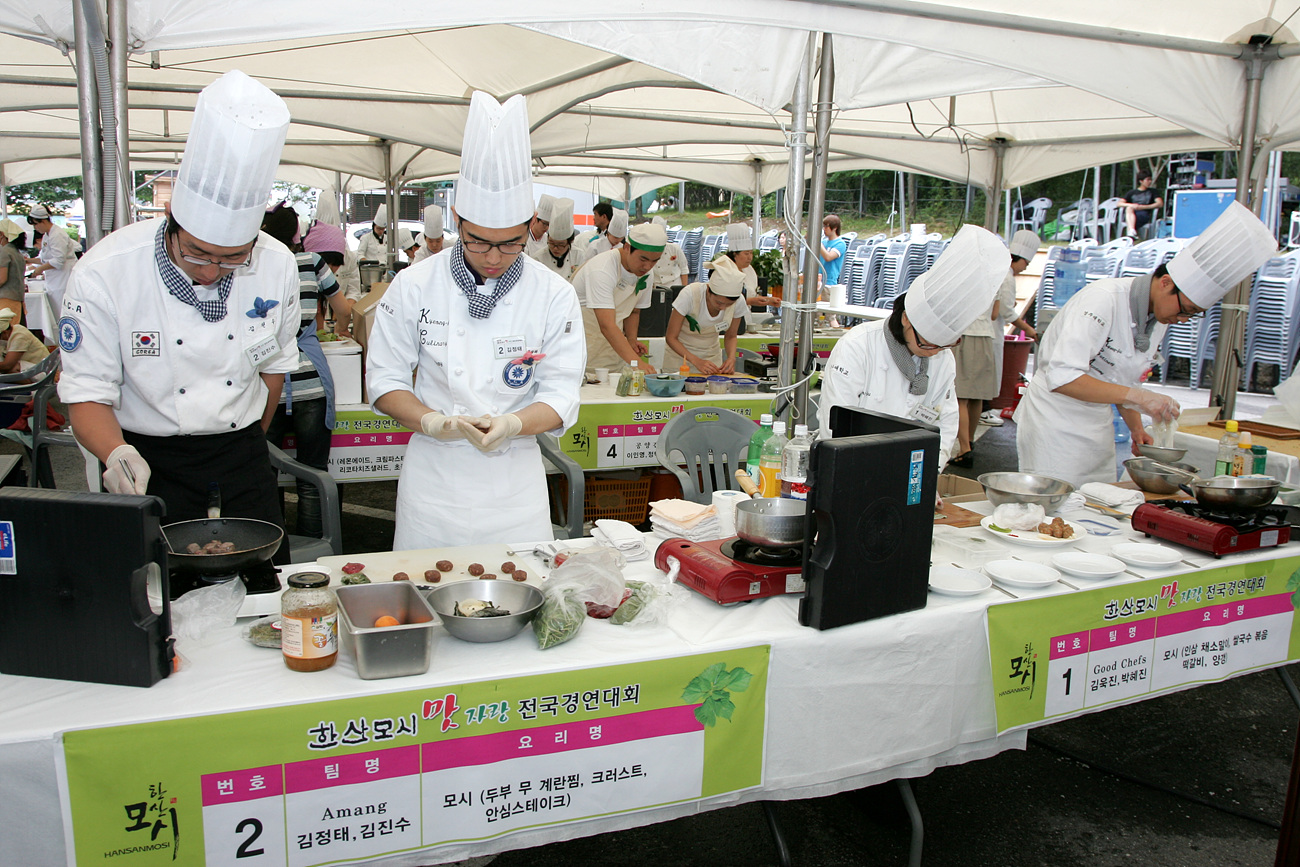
182	287
480	306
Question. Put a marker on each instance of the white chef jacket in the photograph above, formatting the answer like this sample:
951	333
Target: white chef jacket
671	268
165	371
566	270
582	242
598	245
449	492
1006	315
861	373
534	246
1061	436
349	276
371	248
59	251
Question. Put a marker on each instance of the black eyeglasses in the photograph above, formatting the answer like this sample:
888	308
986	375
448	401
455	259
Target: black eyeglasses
505	248
1183	311
921	344
204	263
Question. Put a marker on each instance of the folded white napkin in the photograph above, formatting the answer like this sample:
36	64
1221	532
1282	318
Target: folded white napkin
683	512
1109	495
623	536
699	532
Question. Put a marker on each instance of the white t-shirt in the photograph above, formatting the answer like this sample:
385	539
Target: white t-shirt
596	281
693	301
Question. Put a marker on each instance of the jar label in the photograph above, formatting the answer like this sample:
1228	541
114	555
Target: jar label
310	637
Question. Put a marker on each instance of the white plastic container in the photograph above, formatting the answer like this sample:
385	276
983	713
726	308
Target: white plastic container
963	548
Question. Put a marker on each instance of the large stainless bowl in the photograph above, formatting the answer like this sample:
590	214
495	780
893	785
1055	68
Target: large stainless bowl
1003	488
772	522
521	600
1146	475
1229	494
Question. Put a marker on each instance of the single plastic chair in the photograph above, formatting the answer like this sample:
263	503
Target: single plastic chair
713	443
305	549
571	512
37	383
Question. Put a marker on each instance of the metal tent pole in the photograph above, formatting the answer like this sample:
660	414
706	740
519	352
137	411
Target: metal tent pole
88	118
993	192
1227	358
1096	202
627	193
681	197
757	228
793	210
390	200
117	56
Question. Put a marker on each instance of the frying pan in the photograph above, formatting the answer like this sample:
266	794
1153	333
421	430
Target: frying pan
255	541
1226	494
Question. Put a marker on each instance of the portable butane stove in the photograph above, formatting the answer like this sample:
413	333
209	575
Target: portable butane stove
1218	534
732	570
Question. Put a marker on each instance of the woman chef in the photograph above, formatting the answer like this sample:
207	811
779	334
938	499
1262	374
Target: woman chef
496	344
707	310
1105	338
901	366
176	333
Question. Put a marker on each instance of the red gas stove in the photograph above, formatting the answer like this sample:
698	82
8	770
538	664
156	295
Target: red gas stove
1196	527
732	570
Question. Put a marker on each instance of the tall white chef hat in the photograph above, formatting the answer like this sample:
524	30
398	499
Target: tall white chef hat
739	238
230	160
1025	244
561	228
545	207
405	240
381	217
433	221
944	301
495	186
618	224
327	207
1222	256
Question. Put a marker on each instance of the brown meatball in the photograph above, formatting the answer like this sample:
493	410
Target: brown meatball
444	566
475	569
520	575
433	576
508	567
489	576
401	576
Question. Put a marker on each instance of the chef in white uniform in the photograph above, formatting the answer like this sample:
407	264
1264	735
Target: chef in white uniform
373	247
558	253
496	345
740	249
176	334
902	366
703	314
429	243
613	237
613	289
58	254
1103	341
538	225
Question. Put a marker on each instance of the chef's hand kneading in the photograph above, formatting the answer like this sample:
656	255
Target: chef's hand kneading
1160	407
441	427
490	434
127	472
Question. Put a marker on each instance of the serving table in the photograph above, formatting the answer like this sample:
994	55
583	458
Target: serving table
1202	444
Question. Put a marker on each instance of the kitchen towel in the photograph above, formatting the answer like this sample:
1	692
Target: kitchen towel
1109	495
682	512
622	536
724	503
701	531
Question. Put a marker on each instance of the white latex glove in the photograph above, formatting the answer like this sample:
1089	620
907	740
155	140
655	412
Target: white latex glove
1158	406
441	427
124	464
490	433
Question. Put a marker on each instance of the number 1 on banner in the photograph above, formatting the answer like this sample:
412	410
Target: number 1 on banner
243	817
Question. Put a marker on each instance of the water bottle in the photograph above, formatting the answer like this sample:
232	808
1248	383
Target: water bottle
1121	428
769	465
1227	448
760	436
794	464
1070	276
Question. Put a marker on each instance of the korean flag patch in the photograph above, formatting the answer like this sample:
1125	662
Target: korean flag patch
145	343
69	334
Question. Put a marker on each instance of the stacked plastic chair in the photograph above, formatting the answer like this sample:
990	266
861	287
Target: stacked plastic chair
1047	283
1103	267
768	240
1271	329
889	277
914	263
691	243
1207	343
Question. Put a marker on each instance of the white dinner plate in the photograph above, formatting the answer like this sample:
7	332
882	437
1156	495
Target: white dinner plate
1032	538
951	581
1019	573
1147	555
1083	565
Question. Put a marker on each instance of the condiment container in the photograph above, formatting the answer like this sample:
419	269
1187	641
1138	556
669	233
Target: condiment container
744	385
387	651
959	547
719	384
309	629
696	384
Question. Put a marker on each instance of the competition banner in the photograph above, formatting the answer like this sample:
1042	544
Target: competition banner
613	435
350	779
820	346
1054	657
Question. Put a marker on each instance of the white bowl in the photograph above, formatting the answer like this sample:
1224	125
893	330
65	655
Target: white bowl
1020	573
1095	566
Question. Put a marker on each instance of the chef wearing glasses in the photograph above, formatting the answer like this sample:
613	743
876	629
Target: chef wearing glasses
176	333
496	344
902	366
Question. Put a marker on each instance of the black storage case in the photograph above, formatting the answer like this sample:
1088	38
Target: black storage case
871	508
73	587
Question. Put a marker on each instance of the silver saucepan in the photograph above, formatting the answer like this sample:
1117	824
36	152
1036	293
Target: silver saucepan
773	522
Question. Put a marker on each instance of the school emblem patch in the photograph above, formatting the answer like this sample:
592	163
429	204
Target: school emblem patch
517	374
69	334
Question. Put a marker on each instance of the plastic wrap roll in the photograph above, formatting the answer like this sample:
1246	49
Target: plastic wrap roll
724	502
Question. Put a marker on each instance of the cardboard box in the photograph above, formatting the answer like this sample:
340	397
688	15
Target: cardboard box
363	312
959	489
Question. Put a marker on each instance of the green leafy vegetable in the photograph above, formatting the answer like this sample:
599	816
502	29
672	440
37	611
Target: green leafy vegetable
1293	584
996	529
712	689
634	604
558	620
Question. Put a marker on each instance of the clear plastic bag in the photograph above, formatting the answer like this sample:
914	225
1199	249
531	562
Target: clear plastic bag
592	575
649	605
201	612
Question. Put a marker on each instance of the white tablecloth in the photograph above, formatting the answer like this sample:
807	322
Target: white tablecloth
40	315
1201	452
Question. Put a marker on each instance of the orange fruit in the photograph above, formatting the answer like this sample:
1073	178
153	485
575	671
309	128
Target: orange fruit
387	620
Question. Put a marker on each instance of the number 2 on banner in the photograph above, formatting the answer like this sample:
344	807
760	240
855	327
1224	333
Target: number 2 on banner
248	832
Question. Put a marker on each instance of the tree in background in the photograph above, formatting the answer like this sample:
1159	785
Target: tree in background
57	195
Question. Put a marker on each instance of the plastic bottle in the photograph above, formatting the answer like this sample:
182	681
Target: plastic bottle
1227	445
1070	276
1121	427
1243	459
1261	460
631	382
794	464
684	370
770	462
760	436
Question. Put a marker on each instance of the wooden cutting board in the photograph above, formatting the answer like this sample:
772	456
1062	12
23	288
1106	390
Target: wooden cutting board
953	515
382	565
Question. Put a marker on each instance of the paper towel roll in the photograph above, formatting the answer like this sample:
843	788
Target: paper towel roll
724	503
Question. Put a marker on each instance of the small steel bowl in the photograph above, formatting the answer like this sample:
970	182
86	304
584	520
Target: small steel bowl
1003	488
1162	453
1153	480
521	600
